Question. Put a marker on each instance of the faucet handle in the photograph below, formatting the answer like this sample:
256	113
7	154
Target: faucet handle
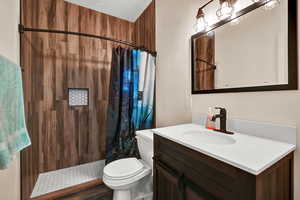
222	110
219	108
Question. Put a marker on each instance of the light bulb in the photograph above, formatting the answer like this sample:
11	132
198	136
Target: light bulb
236	20
210	33
200	25
272	4
225	11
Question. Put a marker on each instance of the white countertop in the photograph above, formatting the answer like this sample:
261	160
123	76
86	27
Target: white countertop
249	153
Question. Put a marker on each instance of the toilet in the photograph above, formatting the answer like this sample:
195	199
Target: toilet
124	175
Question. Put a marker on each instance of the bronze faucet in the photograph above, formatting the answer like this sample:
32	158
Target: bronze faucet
223	120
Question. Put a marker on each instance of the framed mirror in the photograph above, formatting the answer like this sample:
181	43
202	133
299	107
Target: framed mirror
257	54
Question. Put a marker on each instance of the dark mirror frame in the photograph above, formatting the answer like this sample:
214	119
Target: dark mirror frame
292	52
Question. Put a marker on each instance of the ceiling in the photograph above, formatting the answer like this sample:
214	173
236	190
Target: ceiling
125	9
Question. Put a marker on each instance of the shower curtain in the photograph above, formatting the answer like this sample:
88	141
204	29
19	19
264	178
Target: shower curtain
131	97
146	91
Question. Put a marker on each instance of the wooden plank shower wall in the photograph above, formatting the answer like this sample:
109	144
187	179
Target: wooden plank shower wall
144	28
64	136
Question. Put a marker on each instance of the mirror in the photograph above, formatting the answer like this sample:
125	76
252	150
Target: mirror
256	54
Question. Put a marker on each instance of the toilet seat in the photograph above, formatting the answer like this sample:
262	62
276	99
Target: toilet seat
124	172
123	169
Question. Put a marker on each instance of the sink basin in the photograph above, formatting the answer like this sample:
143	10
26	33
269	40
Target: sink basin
206	137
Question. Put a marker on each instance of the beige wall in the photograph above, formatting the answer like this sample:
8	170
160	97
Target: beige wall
9	47
175	20
173	27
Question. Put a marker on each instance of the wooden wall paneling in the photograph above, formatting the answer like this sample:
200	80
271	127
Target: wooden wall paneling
144	28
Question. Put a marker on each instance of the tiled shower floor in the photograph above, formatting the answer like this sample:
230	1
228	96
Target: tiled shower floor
64	178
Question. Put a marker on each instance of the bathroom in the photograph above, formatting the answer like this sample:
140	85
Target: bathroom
71	137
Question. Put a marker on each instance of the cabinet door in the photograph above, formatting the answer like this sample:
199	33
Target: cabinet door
192	192
167	184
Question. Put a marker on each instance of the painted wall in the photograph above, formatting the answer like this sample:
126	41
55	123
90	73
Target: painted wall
175	20
173	29
9	47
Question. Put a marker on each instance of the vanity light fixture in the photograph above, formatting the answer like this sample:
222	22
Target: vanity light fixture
271	4
235	21
226	9
201	23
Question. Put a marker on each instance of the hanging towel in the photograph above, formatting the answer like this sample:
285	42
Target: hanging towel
13	133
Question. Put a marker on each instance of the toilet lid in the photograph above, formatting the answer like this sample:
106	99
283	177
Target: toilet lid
123	168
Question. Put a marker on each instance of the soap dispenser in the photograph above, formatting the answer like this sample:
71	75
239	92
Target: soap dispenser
210	124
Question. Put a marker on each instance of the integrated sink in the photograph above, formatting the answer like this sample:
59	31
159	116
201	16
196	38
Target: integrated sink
207	137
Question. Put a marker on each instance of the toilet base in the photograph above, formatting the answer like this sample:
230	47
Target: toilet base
122	195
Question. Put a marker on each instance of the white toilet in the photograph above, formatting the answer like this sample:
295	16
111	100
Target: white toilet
124	175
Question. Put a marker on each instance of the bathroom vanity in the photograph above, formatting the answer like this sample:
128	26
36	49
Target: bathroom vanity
191	163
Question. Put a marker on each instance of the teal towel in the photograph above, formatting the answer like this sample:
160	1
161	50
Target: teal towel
13	132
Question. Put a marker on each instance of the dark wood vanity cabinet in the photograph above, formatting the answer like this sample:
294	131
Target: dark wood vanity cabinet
181	173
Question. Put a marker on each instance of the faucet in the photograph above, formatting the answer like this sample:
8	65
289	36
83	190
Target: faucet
223	120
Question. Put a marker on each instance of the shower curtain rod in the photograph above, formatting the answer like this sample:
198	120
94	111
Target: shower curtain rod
204	61
23	29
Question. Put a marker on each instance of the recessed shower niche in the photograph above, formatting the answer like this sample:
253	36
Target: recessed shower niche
78	96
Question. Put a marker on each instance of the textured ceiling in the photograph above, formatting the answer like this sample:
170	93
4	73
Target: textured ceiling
125	9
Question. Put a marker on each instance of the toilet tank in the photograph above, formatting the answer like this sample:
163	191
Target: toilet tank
145	145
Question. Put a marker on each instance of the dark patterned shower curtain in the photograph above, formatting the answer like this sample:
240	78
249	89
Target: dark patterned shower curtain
123	101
